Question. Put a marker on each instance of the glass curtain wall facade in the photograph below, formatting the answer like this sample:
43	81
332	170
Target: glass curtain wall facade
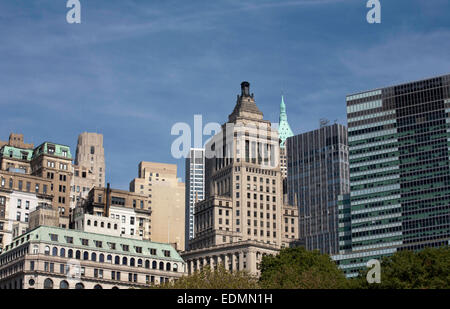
317	175
399	143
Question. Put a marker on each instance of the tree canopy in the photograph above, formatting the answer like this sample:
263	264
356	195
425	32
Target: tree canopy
426	269
219	278
298	268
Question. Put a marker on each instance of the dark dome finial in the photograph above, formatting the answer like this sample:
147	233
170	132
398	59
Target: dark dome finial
245	89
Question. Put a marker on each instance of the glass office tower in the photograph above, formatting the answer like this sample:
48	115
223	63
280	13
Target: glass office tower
399	151
195	188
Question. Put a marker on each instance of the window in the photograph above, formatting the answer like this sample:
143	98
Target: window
64	285
84	242
53	237
69	240
48	284
31	265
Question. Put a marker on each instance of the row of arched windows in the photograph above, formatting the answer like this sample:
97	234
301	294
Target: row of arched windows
48	284
109	259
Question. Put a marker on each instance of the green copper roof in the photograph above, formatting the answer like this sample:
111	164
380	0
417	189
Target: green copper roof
284	130
16	153
42	233
53	149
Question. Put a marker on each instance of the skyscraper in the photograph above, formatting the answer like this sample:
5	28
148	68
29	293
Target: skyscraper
89	167
399	172
317	175
195	187
243	216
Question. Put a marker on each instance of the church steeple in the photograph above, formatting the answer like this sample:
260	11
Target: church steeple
284	129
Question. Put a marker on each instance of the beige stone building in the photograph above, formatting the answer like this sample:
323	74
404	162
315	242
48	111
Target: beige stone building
166	196
243	213
55	258
89	166
43	215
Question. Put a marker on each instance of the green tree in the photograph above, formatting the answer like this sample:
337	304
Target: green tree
214	279
298	268
426	269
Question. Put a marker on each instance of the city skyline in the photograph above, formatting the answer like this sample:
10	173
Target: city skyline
116	72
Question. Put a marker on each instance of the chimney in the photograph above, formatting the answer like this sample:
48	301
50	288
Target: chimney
108	191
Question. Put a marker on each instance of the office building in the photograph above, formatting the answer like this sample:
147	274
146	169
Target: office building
114	212
243	215
20	194
399	172
89	166
55	258
166	197
195	187
317	174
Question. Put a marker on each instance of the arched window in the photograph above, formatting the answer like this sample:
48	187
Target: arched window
62	252
124	261
114	288
154	265
64	285
55	251
70	253
79	286
175	267
117	260
94	257
95	223
132	262
168	266
78	255
140	263
48	284
115	226
109	258
109	225
88	222
47	250
147	264
98	287
102	224
161	265
86	255
101	258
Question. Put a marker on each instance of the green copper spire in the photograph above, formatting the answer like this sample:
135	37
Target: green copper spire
284	130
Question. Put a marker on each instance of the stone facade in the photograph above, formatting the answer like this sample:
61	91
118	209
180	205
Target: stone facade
166	197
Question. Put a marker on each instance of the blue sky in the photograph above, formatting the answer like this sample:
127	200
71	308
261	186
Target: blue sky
132	69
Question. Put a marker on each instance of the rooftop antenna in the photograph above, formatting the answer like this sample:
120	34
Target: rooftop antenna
324	122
